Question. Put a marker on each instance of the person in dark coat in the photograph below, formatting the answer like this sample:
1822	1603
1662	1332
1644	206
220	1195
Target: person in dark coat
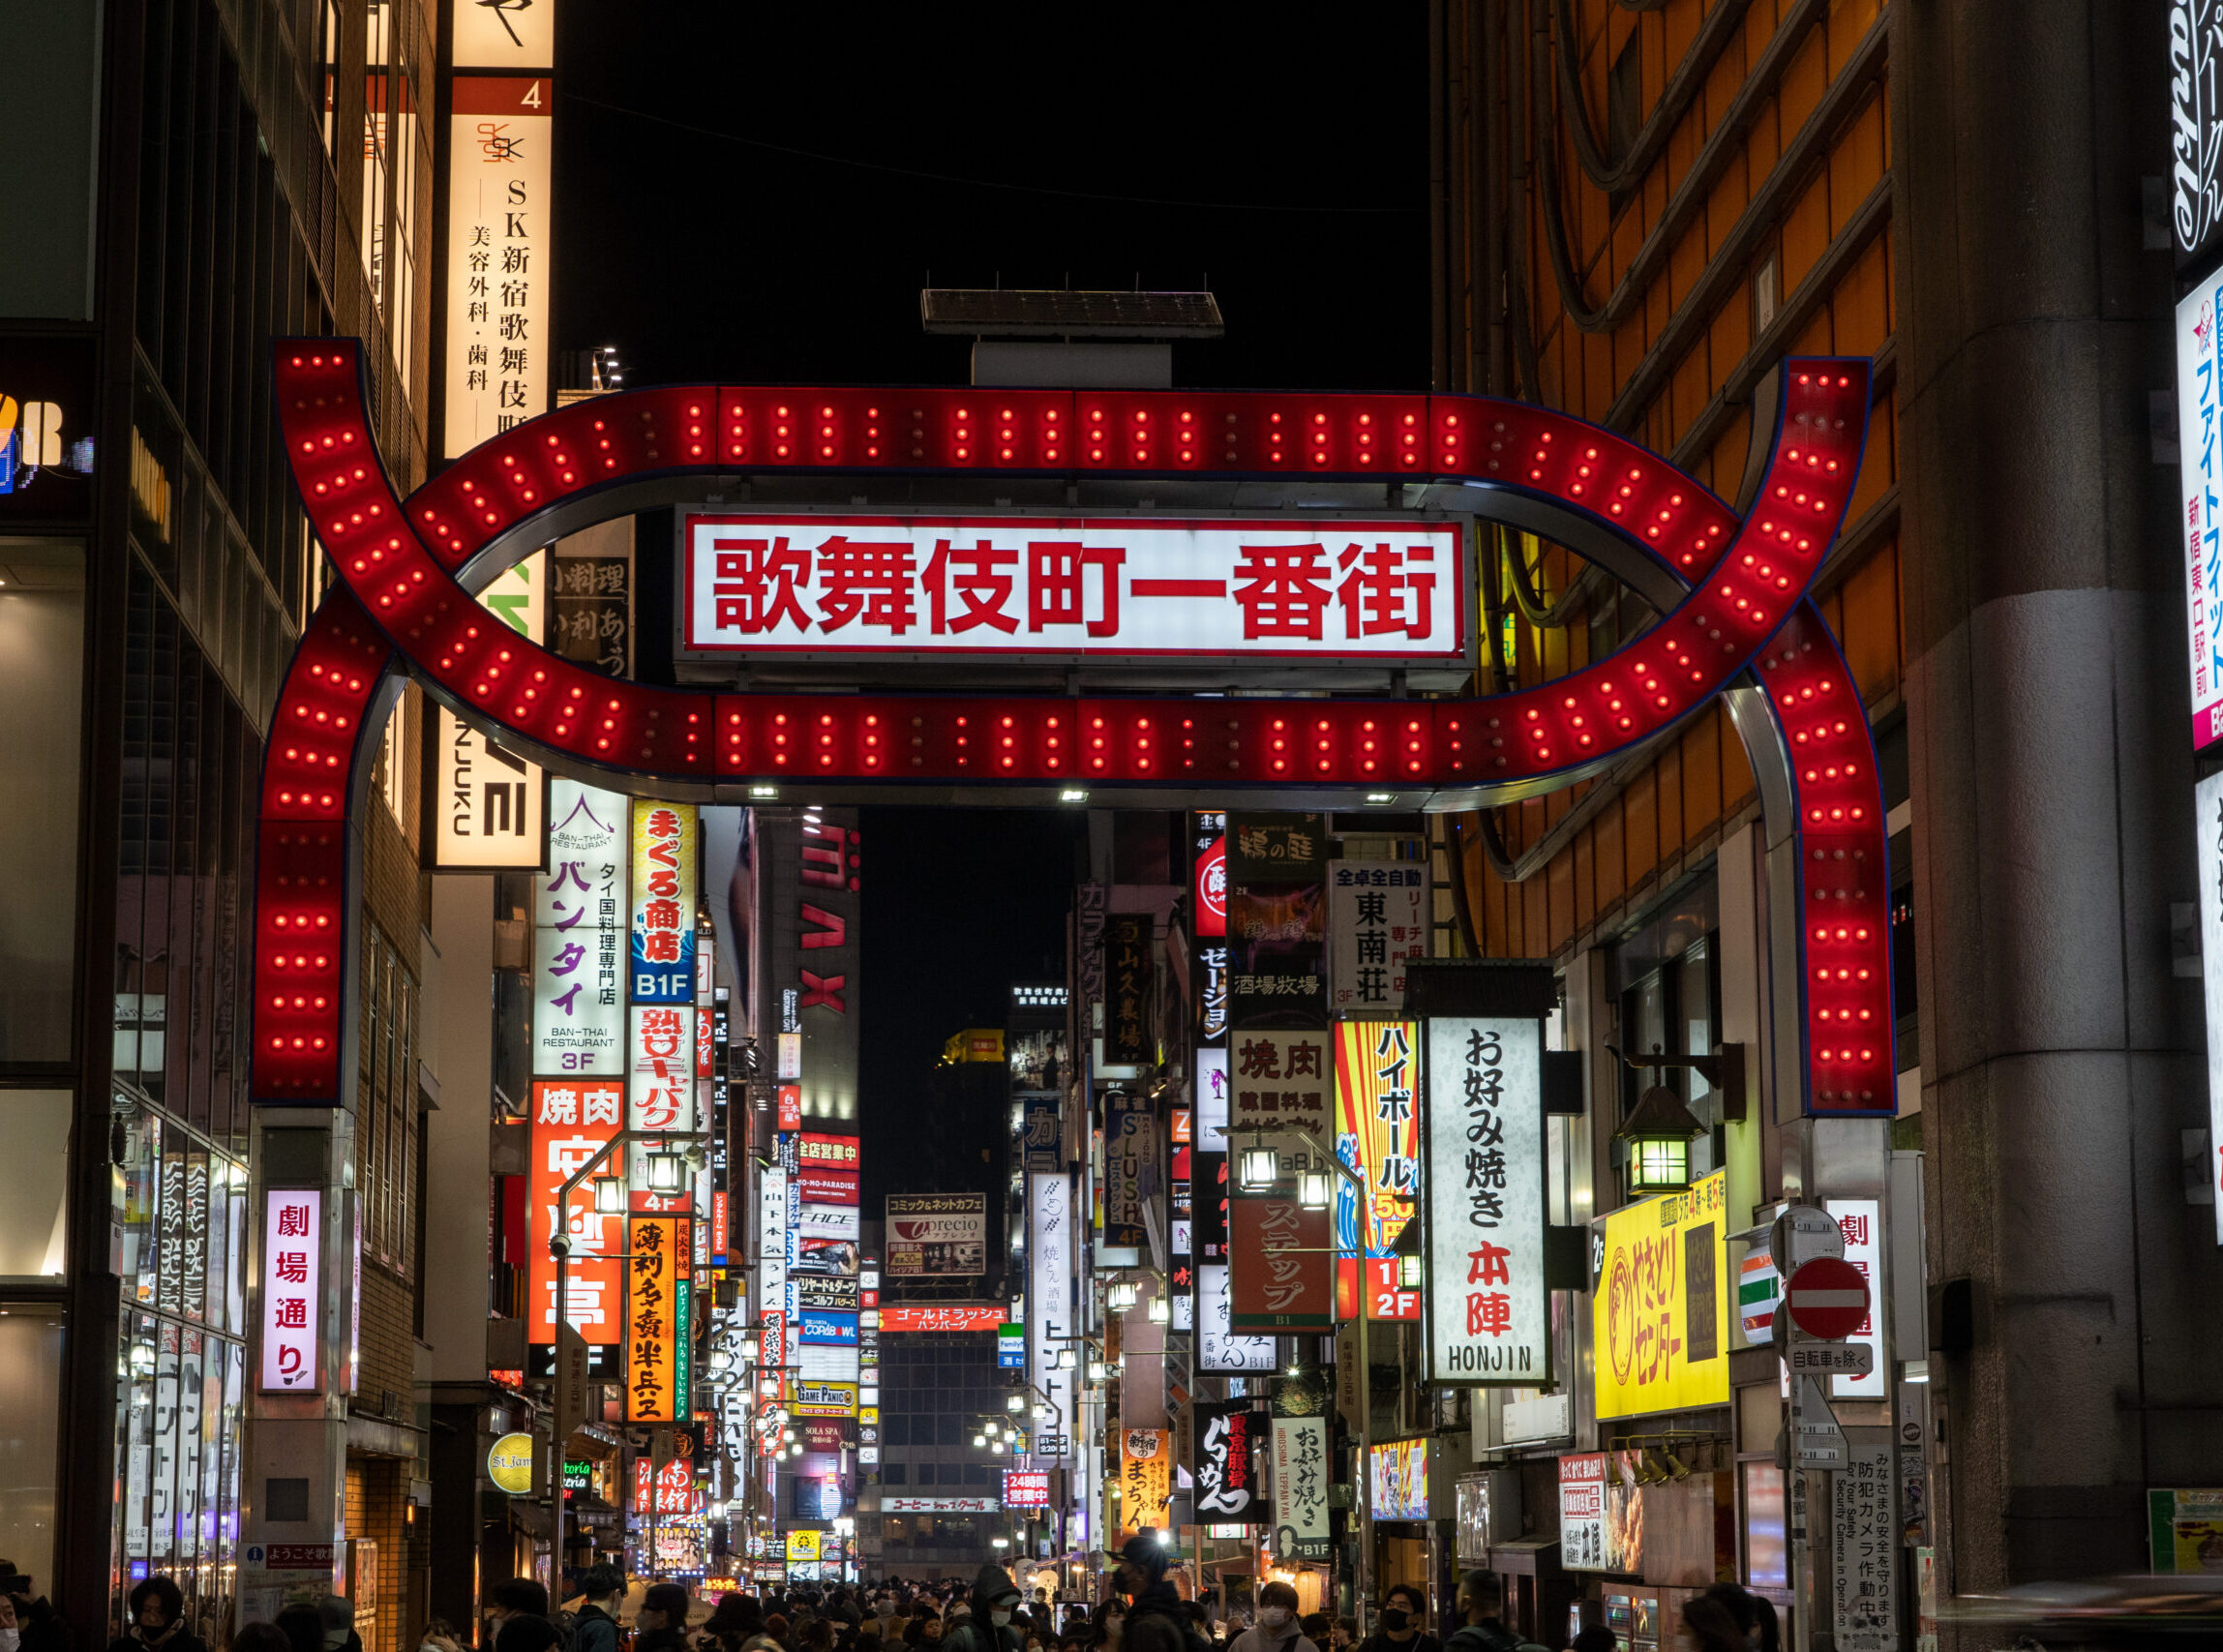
1480	1627
1157	1616
158	1621
1402	1626
595	1629
987	1627
662	1620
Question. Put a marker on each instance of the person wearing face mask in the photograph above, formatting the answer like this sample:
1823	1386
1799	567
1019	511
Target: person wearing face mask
27	1623
158	1621
1276	1628
1404	1610
987	1626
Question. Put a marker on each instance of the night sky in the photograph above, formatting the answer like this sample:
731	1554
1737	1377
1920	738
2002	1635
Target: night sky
746	194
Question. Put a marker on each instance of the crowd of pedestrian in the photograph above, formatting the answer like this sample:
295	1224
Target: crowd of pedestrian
1140	1611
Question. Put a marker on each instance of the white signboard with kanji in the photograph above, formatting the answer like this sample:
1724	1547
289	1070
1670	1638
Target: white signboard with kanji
1317	589
1482	1180
579	929
292	1289
1377	924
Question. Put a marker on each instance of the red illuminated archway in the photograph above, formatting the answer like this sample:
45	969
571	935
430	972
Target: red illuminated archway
1732	595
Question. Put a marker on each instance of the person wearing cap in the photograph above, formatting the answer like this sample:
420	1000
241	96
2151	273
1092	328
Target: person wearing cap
987	1626
1158	1618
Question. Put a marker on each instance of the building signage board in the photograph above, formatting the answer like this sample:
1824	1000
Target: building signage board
1127	985
2208	851
1226	1478
1281	1090
937	1236
1377	1134
292	1290
2184	1528
1219	1347
1864	1544
499	350
1593	1514
662	959
1052	1248
1316	590
1145	1477
660	1086
578	1007
1276	956
836	1222
1398	1477
1487	1314
1041	1134
572	1121
812	1292
816	1397
1025	1489
1131	1167
944	1316
505	35
937	1504
1377	924
1299	1487
2196	125
658	1320
2200	523
1861	1221
1660	1308
1281	1262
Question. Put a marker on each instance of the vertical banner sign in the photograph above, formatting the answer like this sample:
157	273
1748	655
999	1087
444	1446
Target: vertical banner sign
1218	1346
663	951
1488	1311
1660	1312
572	1121
1281	1091
577	1002
1226	1488
1052	1249
1131	1167
1277	920
292	1289
1281	1257
1864	1549
499	249
1126	989
772	1273
1301	1487
1208	848
1377	1134
2208	851
1144	1477
486	807
2200	449
505	35
658	1321
1861	1222
1377	924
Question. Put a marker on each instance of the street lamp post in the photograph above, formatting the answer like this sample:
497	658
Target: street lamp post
1364	1581
560	1247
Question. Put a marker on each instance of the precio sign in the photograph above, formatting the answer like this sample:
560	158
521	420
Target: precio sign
1317	589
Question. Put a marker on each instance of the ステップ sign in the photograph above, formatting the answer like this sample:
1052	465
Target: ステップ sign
1315	589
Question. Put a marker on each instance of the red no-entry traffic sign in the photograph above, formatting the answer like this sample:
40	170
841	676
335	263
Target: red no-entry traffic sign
1827	1298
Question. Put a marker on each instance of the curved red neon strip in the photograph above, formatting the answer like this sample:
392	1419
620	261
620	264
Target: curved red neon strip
1749	578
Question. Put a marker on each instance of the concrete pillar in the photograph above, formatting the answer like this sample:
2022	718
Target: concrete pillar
2052	801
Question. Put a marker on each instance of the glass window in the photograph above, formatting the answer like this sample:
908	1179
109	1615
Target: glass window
33	1232
42	684
30	1425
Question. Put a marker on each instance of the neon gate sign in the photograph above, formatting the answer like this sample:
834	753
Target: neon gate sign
1732	593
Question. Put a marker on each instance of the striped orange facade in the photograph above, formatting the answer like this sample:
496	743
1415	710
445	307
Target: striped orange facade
1639	210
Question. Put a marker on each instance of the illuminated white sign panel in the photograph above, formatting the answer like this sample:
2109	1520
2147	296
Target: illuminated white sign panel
1861	1221
1218	1348
1488	1311
292	1289
486	808
579	936
2207	847
505	34
1052	1242
499	352
2199	526
1318	590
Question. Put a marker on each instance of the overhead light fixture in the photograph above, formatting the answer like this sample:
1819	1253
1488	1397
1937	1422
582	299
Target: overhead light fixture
980	1442
1410	1270
996	1447
1381	797
747	1347
1065	1360
1312	1189
609	1195
1161	1309
1261	1167
1098	1371
1121	1295
1072	795
666	1171
761	792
